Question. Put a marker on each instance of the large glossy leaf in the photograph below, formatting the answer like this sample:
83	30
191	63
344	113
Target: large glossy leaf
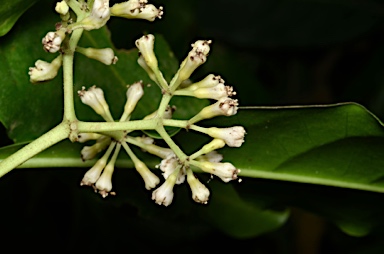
339	145
27	110
10	11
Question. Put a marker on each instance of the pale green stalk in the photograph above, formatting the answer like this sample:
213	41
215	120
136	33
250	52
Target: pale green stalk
50	138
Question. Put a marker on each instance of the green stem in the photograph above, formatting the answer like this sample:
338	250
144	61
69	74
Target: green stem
50	138
68	56
175	123
161	80
101	127
175	148
163	105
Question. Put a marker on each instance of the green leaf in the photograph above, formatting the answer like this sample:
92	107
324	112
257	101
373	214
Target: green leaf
10	12
27	111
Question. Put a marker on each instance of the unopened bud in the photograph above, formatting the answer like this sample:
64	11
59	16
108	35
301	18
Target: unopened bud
233	136
150	179
224	106
105	55
134	94
44	71
145	45
137	9
200	192
62	8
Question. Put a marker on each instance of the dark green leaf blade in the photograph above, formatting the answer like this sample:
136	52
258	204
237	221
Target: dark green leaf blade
338	145
10	12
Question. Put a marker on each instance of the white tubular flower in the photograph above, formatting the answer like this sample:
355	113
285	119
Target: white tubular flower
52	41
226	171
169	165
94	97
137	9
104	183
146	140
200	192
93	173
62	7
99	16
213	156
217	92
89	152
233	136
145	45
211	146
134	94
86	136
44	71
150	179
143	64
164	194
105	55
224	107
196	57
209	81
148	146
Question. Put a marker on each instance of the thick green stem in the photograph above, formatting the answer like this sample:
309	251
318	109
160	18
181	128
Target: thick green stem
101	127
50	138
69	109
175	123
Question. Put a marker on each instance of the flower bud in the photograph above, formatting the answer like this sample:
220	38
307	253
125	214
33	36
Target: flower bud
44	71
62	8
86	136
104	183
213	156
150	179
94	97
226	171
105	55
224	106
151	148
145	45
89	152
52	41
211	146
196	57
137	9
200	192
209	81
216	92
233	136
93	174
143	64
164	194
134	94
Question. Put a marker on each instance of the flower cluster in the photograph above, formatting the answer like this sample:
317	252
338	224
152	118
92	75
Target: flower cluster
175	165
95	16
